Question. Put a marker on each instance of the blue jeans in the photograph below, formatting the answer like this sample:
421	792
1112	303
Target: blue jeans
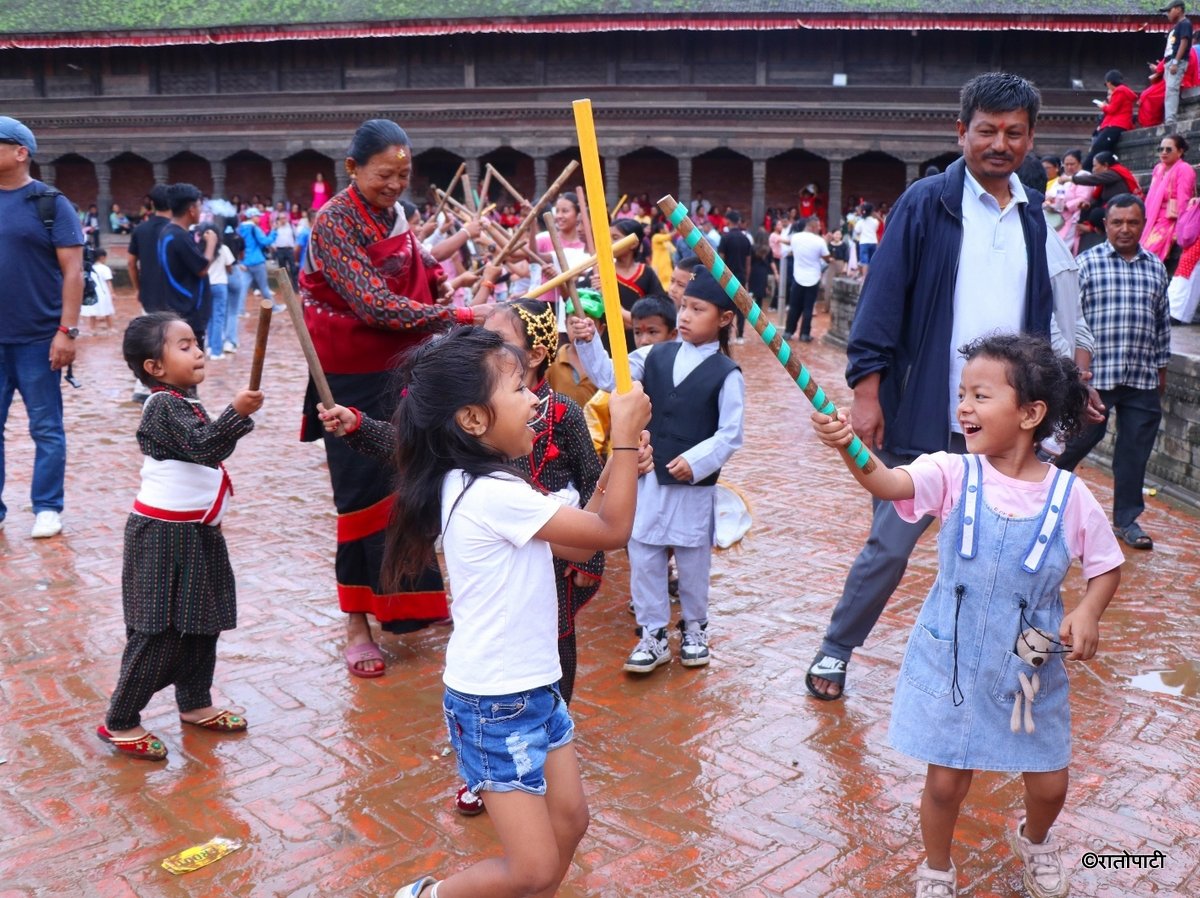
258	275
1139	413
26	367
239	284
216	324
501	741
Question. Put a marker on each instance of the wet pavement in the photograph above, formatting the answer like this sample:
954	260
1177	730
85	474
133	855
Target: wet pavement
714	782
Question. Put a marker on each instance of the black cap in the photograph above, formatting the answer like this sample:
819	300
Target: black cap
704	286
1170	6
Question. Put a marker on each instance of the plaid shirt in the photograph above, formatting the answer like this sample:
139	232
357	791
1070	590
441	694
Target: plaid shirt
1125	304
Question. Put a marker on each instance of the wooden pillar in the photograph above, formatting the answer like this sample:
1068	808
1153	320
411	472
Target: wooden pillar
685	180
103	192
540	164
218	176
46	170
278	180
160	172
612	179
834	216
758	194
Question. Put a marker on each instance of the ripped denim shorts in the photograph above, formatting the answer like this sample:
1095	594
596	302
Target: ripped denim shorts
501	741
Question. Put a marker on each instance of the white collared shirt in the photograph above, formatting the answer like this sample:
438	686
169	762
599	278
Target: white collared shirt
993	267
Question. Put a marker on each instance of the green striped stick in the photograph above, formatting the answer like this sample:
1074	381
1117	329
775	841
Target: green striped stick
796	370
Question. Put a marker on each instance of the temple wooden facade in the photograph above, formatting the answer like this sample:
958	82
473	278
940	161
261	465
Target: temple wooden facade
747	114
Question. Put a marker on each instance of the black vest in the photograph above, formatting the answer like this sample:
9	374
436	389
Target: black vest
683	415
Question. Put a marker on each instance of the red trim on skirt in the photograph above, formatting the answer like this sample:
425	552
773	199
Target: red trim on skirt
393	606
356	525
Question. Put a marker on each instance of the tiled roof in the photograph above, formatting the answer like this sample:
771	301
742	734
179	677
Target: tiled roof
105	17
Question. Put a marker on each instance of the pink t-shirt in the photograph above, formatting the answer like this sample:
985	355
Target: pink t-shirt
938	481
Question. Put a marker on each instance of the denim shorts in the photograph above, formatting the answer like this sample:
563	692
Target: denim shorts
501	741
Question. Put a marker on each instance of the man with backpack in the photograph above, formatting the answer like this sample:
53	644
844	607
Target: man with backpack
41	270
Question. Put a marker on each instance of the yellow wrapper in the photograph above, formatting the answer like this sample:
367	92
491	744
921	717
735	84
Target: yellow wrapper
200	855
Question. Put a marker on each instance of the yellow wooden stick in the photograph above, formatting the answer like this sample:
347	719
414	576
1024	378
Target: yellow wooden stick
589	155
617	207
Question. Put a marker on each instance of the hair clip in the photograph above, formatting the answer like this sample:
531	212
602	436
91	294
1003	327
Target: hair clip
403	392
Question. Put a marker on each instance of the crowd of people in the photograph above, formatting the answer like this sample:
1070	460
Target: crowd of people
985	358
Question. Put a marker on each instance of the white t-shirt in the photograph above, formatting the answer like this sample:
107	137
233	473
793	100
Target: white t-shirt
505	606
808	249
866	230
218	271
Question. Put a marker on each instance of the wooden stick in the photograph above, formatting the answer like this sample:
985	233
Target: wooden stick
306	344
498	233
472	202
485	187
626	242
593	179
796	370
450	189
260	342
585	223
532	216
617	207
561	255
500	179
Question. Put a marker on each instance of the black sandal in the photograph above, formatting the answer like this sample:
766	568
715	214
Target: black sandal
1134	536
826	667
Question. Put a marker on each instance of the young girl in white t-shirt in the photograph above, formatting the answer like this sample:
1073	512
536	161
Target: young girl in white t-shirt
969	697
465	409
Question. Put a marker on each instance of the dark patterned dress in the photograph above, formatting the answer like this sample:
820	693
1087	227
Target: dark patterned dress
563	455
177	586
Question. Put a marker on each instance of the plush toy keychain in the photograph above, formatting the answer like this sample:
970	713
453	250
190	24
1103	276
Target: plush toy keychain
1034	646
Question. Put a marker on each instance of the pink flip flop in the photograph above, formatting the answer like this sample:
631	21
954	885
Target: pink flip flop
364	651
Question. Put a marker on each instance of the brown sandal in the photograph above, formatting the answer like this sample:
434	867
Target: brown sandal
145	748
224	721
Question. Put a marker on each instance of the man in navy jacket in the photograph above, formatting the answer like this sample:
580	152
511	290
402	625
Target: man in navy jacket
964	254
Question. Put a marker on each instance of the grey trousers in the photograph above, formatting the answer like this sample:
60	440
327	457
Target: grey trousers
876	572
648	583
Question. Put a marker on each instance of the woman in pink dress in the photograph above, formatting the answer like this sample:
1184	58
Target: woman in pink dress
1173	184
320	192
1069	199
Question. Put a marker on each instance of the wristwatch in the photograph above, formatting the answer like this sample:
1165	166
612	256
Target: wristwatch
71	332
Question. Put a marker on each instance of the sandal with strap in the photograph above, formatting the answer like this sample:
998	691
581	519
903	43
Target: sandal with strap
826	667
147	747
224	721
1134	536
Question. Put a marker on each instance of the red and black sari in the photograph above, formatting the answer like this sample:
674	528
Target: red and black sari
369	291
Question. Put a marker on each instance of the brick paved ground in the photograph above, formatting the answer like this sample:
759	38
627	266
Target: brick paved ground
724	781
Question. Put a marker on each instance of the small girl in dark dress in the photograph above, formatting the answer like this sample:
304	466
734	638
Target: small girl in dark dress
176	582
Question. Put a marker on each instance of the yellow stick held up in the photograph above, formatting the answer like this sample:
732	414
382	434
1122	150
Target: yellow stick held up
593	180
617	207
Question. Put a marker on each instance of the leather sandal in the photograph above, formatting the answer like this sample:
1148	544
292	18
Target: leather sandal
224	721
147	747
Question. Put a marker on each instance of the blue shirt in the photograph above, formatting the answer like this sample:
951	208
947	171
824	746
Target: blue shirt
31	303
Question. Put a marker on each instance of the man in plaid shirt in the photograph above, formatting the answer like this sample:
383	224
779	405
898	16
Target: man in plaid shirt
1123	290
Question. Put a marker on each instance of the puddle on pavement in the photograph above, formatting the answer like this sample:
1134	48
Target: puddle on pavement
1181	680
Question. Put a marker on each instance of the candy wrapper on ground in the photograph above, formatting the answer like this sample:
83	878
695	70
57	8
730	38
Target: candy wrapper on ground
200	855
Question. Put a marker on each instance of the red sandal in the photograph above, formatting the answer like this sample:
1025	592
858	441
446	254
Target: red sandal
224	721
145	748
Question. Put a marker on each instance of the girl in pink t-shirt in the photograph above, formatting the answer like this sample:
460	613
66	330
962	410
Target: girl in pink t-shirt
966	699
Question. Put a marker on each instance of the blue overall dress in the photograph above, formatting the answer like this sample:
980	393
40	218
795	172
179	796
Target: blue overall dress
954	697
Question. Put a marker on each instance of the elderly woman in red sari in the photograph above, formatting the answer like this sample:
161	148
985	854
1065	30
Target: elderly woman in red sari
371	291
1173	184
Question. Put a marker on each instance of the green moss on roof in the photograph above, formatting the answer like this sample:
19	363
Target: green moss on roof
100	16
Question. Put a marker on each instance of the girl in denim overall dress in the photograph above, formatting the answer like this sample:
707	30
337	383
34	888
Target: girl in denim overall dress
966	699
464	410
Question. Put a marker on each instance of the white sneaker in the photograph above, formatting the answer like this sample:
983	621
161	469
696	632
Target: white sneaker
1044	873
693	646
229	347
651	651
216	356
46	524
936	883
739	341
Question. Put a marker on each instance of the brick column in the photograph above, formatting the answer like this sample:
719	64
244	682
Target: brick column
160	172
612	179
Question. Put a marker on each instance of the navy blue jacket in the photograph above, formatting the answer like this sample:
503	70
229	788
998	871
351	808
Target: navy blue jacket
903	324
